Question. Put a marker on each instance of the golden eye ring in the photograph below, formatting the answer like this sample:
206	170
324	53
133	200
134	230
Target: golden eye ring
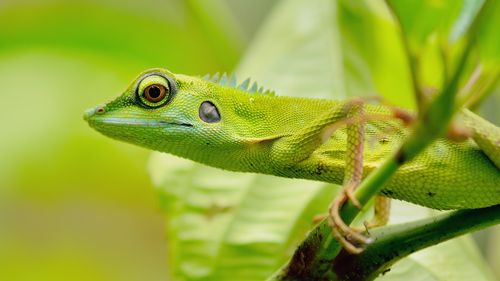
155	90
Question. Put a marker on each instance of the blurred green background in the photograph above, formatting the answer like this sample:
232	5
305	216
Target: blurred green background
72	202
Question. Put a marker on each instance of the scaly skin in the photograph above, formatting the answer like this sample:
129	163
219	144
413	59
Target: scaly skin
283	136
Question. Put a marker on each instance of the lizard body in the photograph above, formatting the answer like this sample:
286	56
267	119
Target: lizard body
243	129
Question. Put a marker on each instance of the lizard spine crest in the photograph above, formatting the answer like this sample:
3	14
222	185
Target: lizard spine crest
231	81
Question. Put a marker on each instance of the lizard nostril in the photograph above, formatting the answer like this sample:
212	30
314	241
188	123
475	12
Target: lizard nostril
93	111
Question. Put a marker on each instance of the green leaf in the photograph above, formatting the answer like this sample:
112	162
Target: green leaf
488	39
468	13
421	19
231	226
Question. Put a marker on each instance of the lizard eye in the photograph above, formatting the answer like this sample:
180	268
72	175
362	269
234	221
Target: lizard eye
154	91
208	112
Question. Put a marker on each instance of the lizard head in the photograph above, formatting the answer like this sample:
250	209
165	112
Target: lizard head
177	114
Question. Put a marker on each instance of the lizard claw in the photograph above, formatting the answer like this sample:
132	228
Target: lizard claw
348	237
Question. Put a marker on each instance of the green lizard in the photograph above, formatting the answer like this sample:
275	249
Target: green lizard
243	128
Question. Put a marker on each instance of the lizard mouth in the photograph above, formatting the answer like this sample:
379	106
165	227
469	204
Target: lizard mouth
135	122
94	119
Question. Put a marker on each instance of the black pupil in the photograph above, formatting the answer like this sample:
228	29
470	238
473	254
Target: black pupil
154	92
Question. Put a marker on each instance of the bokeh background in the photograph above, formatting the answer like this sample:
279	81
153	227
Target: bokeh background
72	202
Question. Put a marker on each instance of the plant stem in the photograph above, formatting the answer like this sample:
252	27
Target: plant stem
392	243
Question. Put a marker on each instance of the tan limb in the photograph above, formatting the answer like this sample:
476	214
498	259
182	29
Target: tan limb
381	212
352	178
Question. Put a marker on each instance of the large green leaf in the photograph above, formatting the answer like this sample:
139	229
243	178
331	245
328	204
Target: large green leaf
489	41
230	226
233	226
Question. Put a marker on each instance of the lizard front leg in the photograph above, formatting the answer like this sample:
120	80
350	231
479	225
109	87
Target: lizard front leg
300	146
352	178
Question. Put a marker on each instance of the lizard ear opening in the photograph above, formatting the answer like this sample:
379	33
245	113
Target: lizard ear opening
209	113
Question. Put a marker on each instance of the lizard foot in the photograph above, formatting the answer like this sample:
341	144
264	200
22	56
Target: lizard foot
348	237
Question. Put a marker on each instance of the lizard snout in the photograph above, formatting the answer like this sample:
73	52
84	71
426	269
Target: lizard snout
93	111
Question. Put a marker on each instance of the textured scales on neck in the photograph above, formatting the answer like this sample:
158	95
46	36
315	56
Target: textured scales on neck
232	81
